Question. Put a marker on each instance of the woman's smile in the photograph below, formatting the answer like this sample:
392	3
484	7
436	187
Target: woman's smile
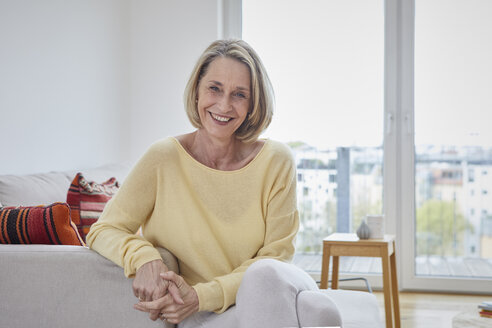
219	118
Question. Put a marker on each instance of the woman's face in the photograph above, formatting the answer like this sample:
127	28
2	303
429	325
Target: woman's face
224	97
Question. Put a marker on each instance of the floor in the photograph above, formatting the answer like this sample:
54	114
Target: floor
426	310
417	310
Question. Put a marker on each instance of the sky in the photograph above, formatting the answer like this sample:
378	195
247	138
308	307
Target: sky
326	62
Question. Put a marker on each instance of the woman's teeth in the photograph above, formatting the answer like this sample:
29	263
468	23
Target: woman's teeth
220	118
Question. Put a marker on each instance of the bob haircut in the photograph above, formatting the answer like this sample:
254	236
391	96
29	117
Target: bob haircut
261	94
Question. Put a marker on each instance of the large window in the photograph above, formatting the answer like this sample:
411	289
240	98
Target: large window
331	76
453	138
325	60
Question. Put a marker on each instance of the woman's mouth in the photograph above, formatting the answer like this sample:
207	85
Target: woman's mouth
219	118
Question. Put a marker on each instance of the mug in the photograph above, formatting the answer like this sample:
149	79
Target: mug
376	226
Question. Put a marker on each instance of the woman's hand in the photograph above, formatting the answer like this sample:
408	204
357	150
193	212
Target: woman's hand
149	286
167	307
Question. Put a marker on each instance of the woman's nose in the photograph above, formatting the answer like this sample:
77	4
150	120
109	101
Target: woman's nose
225	104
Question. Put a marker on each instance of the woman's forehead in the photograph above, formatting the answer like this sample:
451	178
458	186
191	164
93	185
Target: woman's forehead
224	70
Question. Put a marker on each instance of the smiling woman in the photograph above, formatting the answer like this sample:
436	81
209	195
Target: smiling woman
224	202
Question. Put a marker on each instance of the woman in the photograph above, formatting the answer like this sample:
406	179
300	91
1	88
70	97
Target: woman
220	199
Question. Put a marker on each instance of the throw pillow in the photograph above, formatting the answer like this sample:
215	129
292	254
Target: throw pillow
87	200
38	225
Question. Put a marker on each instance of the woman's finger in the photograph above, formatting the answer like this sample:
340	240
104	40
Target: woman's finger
172	276
173	288
155	305
175	293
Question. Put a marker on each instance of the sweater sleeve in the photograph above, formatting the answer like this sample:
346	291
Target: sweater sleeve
114	234
281	226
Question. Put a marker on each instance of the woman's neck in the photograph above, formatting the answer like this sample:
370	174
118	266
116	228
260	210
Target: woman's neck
225	155
215	153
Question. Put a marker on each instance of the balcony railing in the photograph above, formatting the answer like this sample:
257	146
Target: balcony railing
462	267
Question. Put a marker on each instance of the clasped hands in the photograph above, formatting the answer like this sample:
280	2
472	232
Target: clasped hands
163	294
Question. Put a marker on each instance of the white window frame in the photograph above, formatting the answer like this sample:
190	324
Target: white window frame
229	19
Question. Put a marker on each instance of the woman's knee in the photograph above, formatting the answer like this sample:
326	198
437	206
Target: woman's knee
315	309
263	268
278	294
276	273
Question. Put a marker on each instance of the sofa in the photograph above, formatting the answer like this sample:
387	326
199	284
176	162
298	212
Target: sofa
73	286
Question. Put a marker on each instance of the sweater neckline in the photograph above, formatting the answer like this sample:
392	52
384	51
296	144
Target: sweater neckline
182	150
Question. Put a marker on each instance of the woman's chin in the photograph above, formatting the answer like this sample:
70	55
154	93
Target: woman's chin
222	132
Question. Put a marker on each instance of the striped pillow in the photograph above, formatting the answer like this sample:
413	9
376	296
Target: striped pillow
87	200
38	225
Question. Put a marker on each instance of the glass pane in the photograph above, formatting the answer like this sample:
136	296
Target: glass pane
453	138
325	60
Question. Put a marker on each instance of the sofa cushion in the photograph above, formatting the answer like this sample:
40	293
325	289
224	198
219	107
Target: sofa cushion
87	200
33	189
48	188
38	225
357	309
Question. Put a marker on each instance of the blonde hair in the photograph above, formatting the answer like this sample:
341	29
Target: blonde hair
261	100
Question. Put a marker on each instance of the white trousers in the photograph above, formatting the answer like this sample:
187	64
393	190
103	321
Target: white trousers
273	294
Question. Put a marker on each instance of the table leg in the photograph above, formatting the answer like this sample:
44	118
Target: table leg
325	267
334	275
394	288
387	287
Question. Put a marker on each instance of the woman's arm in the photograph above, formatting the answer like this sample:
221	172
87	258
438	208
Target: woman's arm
114	234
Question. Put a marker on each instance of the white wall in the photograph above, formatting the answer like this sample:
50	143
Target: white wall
89	82
167	38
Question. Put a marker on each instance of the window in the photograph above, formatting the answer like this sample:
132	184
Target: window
437	80
451	96
317	66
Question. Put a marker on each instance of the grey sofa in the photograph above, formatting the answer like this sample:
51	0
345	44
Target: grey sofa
65	287
72	286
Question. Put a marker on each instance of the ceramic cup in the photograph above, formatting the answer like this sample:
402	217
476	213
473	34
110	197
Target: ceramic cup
376	226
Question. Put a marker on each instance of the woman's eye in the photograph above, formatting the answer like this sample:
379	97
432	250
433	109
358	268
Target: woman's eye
214	88
240	95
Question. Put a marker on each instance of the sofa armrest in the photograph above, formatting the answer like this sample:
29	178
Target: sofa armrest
169	259
67	286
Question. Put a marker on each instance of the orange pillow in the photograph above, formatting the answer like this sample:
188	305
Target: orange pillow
38	225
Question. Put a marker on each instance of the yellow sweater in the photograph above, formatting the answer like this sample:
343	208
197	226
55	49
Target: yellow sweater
215	222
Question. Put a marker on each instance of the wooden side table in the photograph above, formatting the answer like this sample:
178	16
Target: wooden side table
347	244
